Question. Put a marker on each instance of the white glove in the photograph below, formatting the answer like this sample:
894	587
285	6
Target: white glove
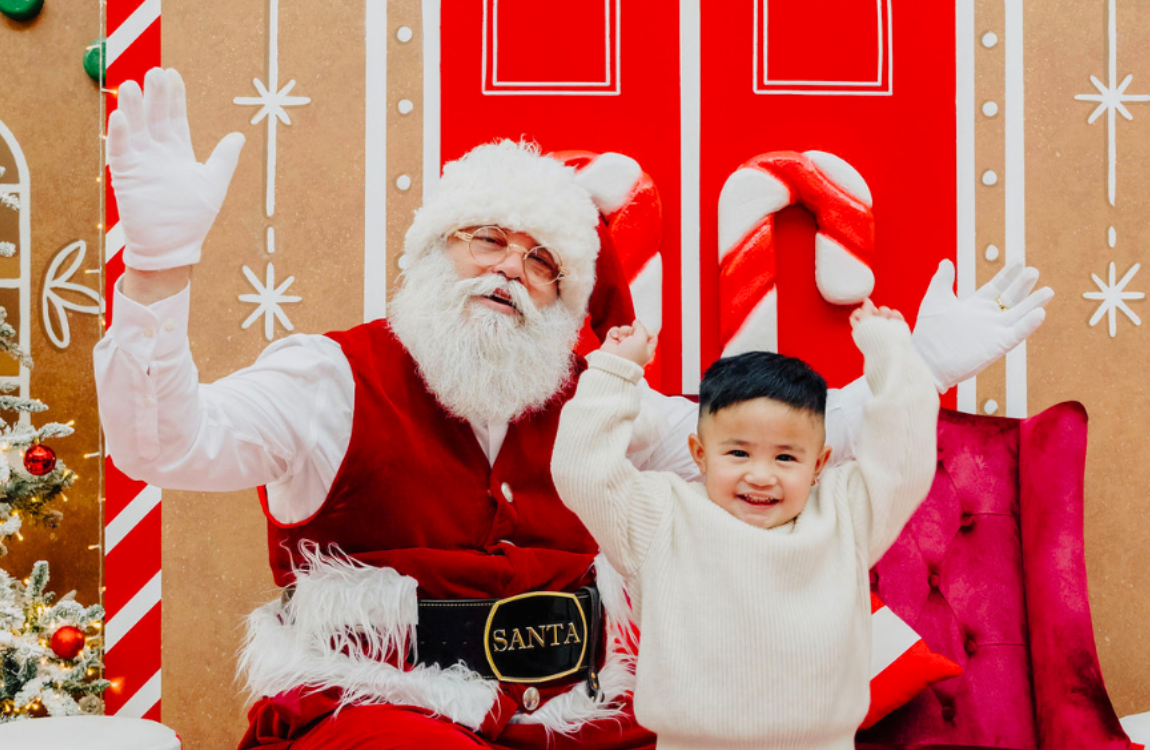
167	200
958	340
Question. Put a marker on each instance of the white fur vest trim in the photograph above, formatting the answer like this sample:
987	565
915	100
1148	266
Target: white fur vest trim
346	621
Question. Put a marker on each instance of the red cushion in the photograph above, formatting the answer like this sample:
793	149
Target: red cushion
901	664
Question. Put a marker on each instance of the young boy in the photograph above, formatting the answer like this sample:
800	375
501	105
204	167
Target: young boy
751	590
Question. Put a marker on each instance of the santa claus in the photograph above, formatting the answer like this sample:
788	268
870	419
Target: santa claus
436	591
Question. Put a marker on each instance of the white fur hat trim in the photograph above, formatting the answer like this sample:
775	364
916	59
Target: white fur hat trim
511	185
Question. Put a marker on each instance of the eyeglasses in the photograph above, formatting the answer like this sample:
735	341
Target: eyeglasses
490	245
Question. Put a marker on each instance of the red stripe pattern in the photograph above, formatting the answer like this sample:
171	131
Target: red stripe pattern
132	565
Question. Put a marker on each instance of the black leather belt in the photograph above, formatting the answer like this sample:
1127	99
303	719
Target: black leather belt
535	637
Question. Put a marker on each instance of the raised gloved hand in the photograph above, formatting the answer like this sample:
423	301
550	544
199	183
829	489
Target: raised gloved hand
167	200
959	338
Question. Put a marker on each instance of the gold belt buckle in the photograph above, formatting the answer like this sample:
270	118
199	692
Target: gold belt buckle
536	637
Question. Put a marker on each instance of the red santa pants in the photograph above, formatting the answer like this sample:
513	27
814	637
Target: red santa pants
307	722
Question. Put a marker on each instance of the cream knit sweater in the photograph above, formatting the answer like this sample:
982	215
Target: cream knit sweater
752	638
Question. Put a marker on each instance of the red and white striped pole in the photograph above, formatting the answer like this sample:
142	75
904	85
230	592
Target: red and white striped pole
132	531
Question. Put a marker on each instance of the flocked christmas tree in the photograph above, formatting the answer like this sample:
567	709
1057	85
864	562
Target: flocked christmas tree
50	654
31	477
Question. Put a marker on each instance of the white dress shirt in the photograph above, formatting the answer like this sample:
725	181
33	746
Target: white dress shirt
285	421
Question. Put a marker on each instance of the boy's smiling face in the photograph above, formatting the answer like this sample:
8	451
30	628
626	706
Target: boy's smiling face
759	459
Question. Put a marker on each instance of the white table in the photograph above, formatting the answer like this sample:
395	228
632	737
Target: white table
87	733
1138	728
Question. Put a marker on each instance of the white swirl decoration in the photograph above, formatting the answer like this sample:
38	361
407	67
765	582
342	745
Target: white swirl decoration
55	305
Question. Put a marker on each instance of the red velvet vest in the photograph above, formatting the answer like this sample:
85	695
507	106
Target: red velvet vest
415	491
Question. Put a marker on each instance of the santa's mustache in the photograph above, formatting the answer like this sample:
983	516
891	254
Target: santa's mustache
489	284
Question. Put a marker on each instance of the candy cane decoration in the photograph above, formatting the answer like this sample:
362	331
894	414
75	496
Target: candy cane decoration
844	247
629	202
131	509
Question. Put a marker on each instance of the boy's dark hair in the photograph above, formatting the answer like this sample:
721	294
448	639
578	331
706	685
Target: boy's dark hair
744	377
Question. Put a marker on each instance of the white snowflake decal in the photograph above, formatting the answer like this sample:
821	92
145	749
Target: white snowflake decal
269	297
1111	98
1113	298
271	102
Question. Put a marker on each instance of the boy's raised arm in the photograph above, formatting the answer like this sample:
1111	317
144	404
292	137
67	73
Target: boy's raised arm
618	504
895	453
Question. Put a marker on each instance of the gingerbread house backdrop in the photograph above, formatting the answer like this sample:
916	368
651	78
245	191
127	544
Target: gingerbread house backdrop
979	131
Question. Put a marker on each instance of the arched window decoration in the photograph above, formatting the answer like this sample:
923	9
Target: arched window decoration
15	256
60	294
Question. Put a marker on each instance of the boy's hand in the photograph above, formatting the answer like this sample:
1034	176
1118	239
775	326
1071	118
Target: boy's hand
868	310
631	342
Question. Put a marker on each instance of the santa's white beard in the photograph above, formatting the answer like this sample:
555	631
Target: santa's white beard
482	365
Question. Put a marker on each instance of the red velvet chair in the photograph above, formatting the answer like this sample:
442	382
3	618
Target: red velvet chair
991	573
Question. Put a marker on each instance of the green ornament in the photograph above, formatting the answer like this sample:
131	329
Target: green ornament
94	59
21	10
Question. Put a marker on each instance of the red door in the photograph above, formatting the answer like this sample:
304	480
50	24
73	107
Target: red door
871	81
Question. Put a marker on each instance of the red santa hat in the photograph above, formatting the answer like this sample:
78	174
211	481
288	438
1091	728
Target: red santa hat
511	185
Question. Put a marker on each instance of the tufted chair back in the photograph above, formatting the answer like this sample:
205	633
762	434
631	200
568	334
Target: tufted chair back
990	572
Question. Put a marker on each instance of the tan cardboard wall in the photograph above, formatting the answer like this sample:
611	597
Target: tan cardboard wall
214	544
52	109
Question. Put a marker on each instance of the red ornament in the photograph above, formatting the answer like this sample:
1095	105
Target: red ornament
39	460
68	642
